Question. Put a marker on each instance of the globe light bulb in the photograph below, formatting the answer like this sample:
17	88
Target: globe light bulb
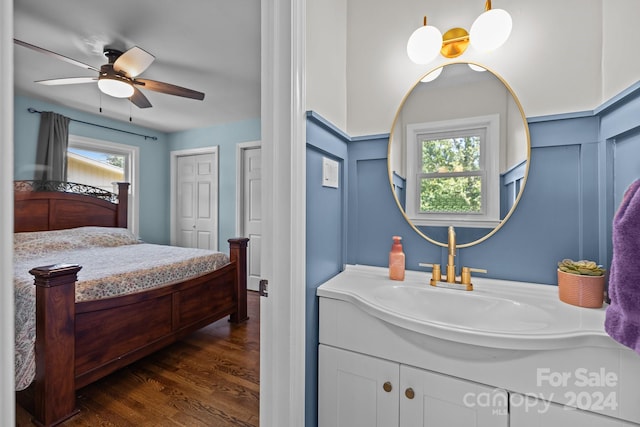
477	68
490	30
432	75
424	44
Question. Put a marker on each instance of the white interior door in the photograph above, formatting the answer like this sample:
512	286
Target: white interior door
196	219
251	211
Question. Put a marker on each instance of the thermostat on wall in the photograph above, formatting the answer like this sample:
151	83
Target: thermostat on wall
330	169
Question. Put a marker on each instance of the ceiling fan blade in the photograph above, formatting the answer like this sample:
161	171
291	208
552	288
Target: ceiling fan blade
55	55
67	81
169	89
133	62
139	100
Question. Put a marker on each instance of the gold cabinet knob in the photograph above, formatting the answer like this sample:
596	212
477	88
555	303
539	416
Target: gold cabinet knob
387	387
409	393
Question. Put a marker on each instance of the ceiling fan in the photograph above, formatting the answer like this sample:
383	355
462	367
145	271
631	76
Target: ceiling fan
118	78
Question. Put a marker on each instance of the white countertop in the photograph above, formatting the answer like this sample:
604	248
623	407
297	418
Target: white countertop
497	313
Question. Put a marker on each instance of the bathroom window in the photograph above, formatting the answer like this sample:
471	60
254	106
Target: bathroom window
453	174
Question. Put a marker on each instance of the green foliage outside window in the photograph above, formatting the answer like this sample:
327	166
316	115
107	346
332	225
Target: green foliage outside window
114	160
450	180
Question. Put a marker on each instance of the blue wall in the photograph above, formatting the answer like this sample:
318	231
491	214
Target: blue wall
154	160
326	236
581	164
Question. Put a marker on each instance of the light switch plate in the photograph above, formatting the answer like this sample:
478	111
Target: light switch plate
330	172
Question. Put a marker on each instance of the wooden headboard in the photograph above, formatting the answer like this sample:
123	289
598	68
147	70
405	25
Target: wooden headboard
49	205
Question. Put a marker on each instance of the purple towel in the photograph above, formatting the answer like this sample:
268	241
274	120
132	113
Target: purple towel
622	320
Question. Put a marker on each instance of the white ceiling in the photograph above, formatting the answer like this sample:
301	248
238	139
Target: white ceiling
212	46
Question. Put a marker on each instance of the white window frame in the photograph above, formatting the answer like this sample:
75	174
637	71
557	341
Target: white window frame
131	169
489	153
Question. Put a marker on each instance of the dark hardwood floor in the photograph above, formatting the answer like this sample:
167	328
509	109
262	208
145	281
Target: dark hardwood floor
211	378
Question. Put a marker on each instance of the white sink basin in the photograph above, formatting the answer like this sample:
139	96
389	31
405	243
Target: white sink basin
468	310
497	313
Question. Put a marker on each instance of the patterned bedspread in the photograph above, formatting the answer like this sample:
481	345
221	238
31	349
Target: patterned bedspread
113	263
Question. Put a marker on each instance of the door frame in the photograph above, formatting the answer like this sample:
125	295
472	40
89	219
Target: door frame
7	337
174	181
283	258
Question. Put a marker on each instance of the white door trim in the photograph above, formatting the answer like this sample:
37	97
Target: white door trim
282	326
173	180
7	337
239	180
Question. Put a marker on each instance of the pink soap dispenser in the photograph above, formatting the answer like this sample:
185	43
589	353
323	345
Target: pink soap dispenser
396	260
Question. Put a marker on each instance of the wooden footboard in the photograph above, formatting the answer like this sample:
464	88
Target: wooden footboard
99	337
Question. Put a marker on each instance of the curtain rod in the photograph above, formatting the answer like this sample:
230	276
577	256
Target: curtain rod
155	138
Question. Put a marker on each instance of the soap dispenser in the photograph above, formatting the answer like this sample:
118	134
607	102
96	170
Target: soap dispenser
396	260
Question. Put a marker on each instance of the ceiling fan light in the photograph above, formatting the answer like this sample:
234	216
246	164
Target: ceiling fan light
424	44
490	30
115	87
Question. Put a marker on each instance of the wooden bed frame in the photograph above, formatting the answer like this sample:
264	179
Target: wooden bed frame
99	337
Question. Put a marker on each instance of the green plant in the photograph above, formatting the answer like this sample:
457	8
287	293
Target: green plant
582	267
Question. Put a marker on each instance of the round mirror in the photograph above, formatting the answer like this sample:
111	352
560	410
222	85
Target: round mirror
459	153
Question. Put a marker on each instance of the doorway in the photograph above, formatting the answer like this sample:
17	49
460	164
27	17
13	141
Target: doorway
249	206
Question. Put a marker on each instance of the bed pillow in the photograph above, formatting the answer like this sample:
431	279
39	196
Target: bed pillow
38	243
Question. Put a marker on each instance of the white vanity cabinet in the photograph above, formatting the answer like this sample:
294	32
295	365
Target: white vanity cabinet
357	390
431	399
407	354
538	413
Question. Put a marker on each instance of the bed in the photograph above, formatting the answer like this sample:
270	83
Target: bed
93	327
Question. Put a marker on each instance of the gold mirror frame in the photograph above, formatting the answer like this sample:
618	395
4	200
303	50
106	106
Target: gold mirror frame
526	172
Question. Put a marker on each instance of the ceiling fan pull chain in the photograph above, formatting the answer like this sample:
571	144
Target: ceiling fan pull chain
100	95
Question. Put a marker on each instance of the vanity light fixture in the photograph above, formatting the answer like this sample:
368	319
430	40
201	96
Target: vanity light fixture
489	31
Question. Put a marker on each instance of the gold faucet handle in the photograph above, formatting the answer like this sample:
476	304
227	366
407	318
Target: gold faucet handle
465	277
436	273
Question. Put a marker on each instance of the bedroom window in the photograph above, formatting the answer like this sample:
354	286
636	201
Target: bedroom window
95	168
100	163
452	178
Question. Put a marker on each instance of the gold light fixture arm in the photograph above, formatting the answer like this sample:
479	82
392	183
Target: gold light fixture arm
456	41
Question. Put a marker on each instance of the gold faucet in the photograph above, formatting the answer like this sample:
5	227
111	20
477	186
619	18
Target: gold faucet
451	265
450	280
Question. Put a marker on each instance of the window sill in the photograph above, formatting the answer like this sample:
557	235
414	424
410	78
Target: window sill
456	222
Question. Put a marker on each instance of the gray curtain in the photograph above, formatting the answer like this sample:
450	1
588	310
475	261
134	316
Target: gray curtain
53	139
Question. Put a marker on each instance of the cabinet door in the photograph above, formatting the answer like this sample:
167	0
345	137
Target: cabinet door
436	400
355	390
531	412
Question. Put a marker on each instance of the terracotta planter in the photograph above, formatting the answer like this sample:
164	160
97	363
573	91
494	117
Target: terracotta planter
583	291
